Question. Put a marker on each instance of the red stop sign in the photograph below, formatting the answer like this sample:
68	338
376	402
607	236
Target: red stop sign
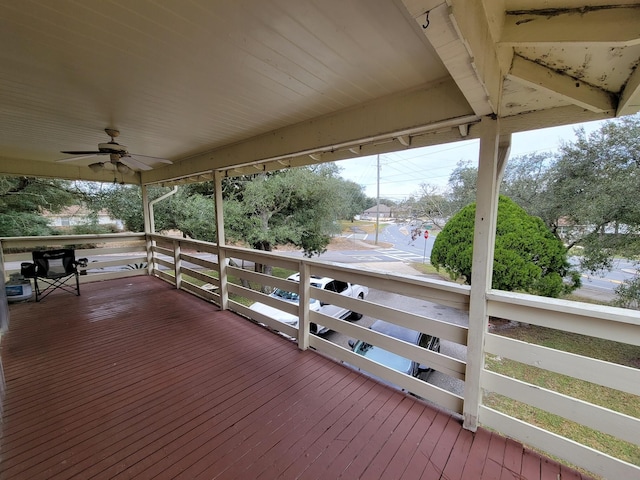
426	234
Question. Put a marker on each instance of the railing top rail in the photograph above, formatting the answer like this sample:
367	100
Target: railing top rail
569	307
73	238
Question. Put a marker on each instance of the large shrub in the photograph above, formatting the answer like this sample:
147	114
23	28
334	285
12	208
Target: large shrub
528	257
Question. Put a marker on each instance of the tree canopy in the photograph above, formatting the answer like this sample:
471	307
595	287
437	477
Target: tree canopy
586	192
23	200
527	256
298	206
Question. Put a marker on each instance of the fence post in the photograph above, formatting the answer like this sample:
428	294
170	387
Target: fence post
177	263
304	294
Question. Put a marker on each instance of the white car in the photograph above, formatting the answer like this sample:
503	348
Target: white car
343	288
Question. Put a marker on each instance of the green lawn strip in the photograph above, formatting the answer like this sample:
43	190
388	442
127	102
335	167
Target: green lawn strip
622	402
368	226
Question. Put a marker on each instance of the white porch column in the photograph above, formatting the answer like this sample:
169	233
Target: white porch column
222	253
148	227
490	169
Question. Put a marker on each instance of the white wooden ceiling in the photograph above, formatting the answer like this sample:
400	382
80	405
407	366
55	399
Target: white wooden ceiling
215	84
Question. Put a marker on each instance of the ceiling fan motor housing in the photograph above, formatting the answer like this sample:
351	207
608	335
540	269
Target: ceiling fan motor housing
112	147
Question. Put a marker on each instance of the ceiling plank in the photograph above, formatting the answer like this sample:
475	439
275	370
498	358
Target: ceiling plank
613	25
431	106
629	101
560	85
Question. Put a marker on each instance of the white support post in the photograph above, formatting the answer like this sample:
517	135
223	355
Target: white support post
490	167
148	228
4	310
222	254
177	263
303	306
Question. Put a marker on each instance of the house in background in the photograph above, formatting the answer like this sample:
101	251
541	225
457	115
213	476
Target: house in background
372	213
78	215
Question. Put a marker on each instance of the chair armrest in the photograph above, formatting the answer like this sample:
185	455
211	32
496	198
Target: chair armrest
28	270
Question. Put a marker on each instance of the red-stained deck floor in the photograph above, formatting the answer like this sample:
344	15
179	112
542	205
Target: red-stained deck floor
134	379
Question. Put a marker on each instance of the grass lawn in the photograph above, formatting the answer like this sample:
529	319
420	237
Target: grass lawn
606	397
367	226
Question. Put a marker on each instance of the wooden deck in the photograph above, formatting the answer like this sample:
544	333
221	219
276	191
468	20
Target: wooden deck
135	379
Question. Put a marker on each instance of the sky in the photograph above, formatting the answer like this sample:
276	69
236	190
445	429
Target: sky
402	172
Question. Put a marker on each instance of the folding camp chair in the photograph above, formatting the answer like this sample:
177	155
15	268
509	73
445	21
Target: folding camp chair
54	268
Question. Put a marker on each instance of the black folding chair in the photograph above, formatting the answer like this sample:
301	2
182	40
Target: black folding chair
54	268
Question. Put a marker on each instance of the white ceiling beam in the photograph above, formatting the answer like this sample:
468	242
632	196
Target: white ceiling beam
441	30
560	85
629	101
431	106
469	18
613	25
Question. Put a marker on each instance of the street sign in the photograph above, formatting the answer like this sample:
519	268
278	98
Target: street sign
426	234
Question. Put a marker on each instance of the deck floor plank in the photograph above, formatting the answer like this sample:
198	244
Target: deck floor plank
138	380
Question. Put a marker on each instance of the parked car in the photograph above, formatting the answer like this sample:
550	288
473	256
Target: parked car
392	360
337	286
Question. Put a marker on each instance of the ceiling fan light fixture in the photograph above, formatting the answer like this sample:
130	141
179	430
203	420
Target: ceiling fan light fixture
96	167
124	169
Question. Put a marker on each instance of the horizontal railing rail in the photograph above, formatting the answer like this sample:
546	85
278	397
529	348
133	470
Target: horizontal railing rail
109	256
615	324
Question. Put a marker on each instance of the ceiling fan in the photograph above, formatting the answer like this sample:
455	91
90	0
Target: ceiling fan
119	157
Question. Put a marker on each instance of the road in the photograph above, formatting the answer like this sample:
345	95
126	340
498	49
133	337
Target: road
601	287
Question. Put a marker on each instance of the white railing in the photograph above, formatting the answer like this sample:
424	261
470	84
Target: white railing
109	255
616	324
193	266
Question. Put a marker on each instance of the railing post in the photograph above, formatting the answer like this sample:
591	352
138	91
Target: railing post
4	311
148	228
177	262
222	254
490	168
304	294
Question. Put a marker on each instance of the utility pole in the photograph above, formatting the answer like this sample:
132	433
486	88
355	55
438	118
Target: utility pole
378	200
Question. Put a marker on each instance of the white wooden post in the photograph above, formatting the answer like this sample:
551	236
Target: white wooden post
148	228
177	263
490	168
222	254
303	306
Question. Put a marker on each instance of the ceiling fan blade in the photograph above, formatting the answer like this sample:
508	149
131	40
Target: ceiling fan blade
82	152
134	164
73	159
151	159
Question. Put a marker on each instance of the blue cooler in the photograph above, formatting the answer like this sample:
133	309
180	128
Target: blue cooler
18	290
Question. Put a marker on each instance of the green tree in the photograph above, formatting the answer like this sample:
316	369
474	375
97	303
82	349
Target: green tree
124	202
432	205
297	206
593	192
525	181
628	294
462	185
527	256
23	199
